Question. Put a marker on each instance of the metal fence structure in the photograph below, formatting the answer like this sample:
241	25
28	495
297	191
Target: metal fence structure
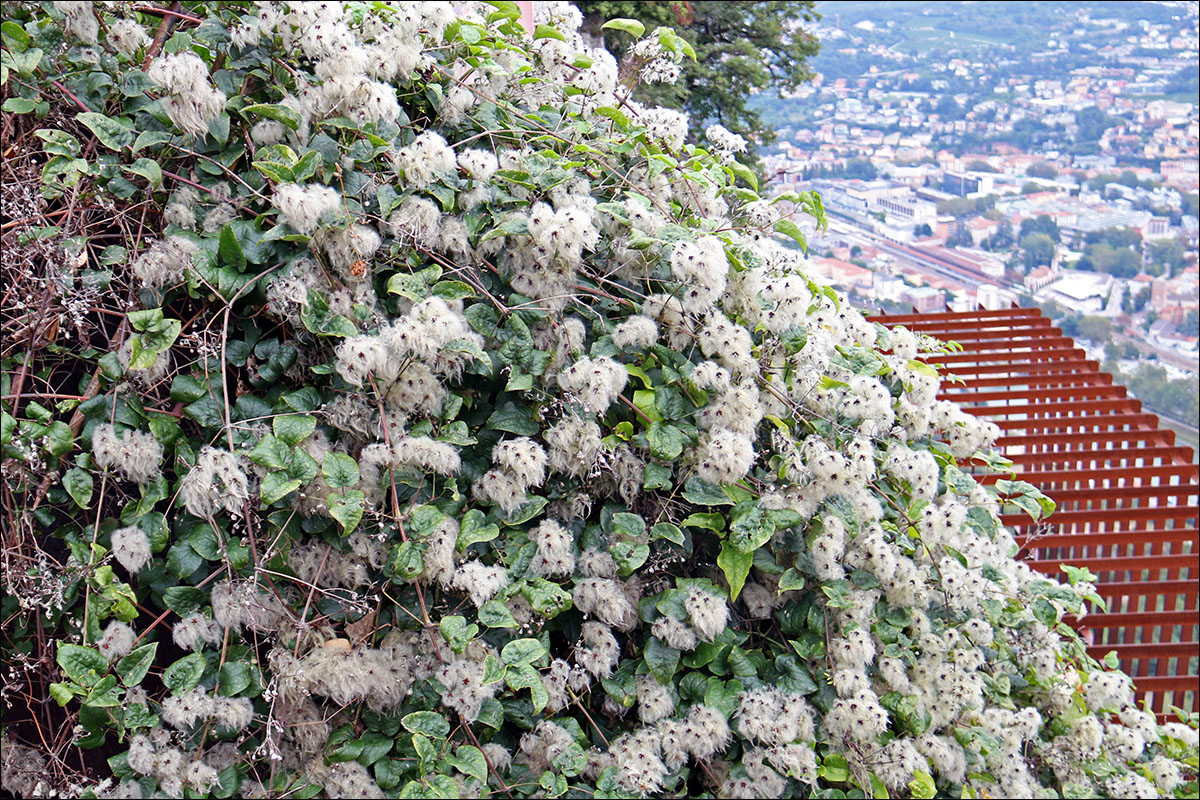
1126	494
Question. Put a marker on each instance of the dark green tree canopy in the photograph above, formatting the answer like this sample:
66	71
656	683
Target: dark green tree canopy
741	48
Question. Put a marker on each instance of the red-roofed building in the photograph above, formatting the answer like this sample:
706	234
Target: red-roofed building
1042	276
842	273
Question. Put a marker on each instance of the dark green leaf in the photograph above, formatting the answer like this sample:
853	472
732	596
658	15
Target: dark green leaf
515	419
340	470
426	723
108	131
81	664
133	667
184	675
347	509
234	677
735	564
662	661
78	483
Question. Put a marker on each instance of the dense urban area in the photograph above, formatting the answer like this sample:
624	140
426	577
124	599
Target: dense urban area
985	154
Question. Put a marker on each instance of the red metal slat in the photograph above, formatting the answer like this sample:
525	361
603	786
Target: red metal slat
1103	538
1114	478
1059	409
1179	493
1080	437
1148	588
1128	516
1151	619
1002	357
1025	345
1164	436
1080	422
1122	564
970	339
1146	651
1062	393
951	390
1082	459
1018	371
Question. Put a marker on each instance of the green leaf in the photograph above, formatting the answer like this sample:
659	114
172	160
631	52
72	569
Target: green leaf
517	419
630	26
662	660
505	10
703	493
150	139
306	167
277	485
347	509
922	786
457	631
412	286
736	565
58	143
230	250
668	531
493	669
374	747
81	664
108	131
546	597
63	693
186	389
274	171
472	529
547	32
406	562
14	36
24	63
789	228
425	520
745	173
342	746
133	667
495	614
666	441
522	651
182	560
834	768
469	760
184	675
523	676
149	170
183	600
626	524
629	556
792	676
340	470
723	695
273	111
19	105
270	453
234	677
643	400
750	527
78	483
712	522
791	580
426	723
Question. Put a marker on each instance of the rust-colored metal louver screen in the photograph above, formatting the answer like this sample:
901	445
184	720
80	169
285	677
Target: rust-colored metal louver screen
1127	496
